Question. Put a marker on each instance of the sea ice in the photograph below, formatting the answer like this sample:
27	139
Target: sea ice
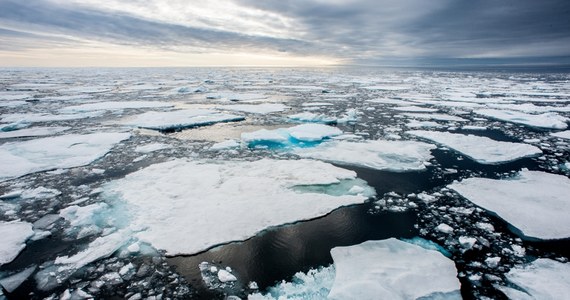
291	135
228	144
114	105
562	134
481	149
265	108
545	120
541	279
312	132
315	284
14	235
311	117
179	119
148	148
34	131
536	203
45	117
12	282
392	269
66	151
398	156
438	117
205	203
414	109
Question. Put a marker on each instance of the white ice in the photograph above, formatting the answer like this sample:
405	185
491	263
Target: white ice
265	108
438	117
536	203
205	203
13	237
67	151
396	156
34	131
544	120
114	105
481	149
179	119
12	282
562	134
46	117
315	284
312	117
414	109
392	269
148	148
542	279
303	133
228	144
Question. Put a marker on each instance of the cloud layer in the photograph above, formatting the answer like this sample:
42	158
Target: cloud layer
349	31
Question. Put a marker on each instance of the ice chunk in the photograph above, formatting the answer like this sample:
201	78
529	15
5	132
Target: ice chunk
423	124
392	269
195	196
438	117
414	109
179	119
264	108
229	144
291	136
35	131
114	105
311	117
481	149
444	228
536	203
541	279
315	284
40	193
12	282
351	116
45	117
225	276
14	235
562	134
396	156
148	148
312	132
265	136
545	120
67	151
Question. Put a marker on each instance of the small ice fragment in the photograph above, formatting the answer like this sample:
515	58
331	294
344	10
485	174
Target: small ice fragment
225	276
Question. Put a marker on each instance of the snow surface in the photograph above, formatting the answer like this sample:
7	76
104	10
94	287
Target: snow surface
204	203
562	134
541	279
148	148
545	120
311	117
66	151
481	149
398	156
264	108
392	269
228	144
438	117
303	133
34	131
114	105
13	235
536	203
179	119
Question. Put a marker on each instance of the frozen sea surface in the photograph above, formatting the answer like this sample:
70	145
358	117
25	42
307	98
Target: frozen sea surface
212	183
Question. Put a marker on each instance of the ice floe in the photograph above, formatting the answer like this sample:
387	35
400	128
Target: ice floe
541	279
12	282
290	136
204	203
544	120
481	149
438	117
46	117
312	117
228	144
414	109
34	131
396	156
14	236
67	151
392	269
114	105
264	108
536	203
148	148
562	134
315	284
179	119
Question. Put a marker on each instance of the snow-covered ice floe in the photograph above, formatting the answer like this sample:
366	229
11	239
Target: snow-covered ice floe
66	151
34	131
562	134
438	117
481	149
179	119
14	235
536	203
393	269
315	284
545	120
46	117
204	203
290	136
541	279
396	156
312	117
265	108
114	105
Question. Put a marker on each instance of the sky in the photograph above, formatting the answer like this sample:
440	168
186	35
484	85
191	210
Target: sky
141	33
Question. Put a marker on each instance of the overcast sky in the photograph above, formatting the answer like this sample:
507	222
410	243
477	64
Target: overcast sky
296	32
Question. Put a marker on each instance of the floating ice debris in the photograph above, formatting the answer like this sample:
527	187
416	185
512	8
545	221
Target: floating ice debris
562	134
114	105
310	104
545	120
471	127
444	228
148	148
311	117
40	193
6	128
392	269
530	108
12	282
438	117
315	284
290	136
229	144
392	102
387	87
179	119
536	203
45	117
481	149
398	156
423	124
225	276
414	109
312	132
264	108
351	116
279	136
35	131
236	96
541	279
67	151
190	194
14	235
